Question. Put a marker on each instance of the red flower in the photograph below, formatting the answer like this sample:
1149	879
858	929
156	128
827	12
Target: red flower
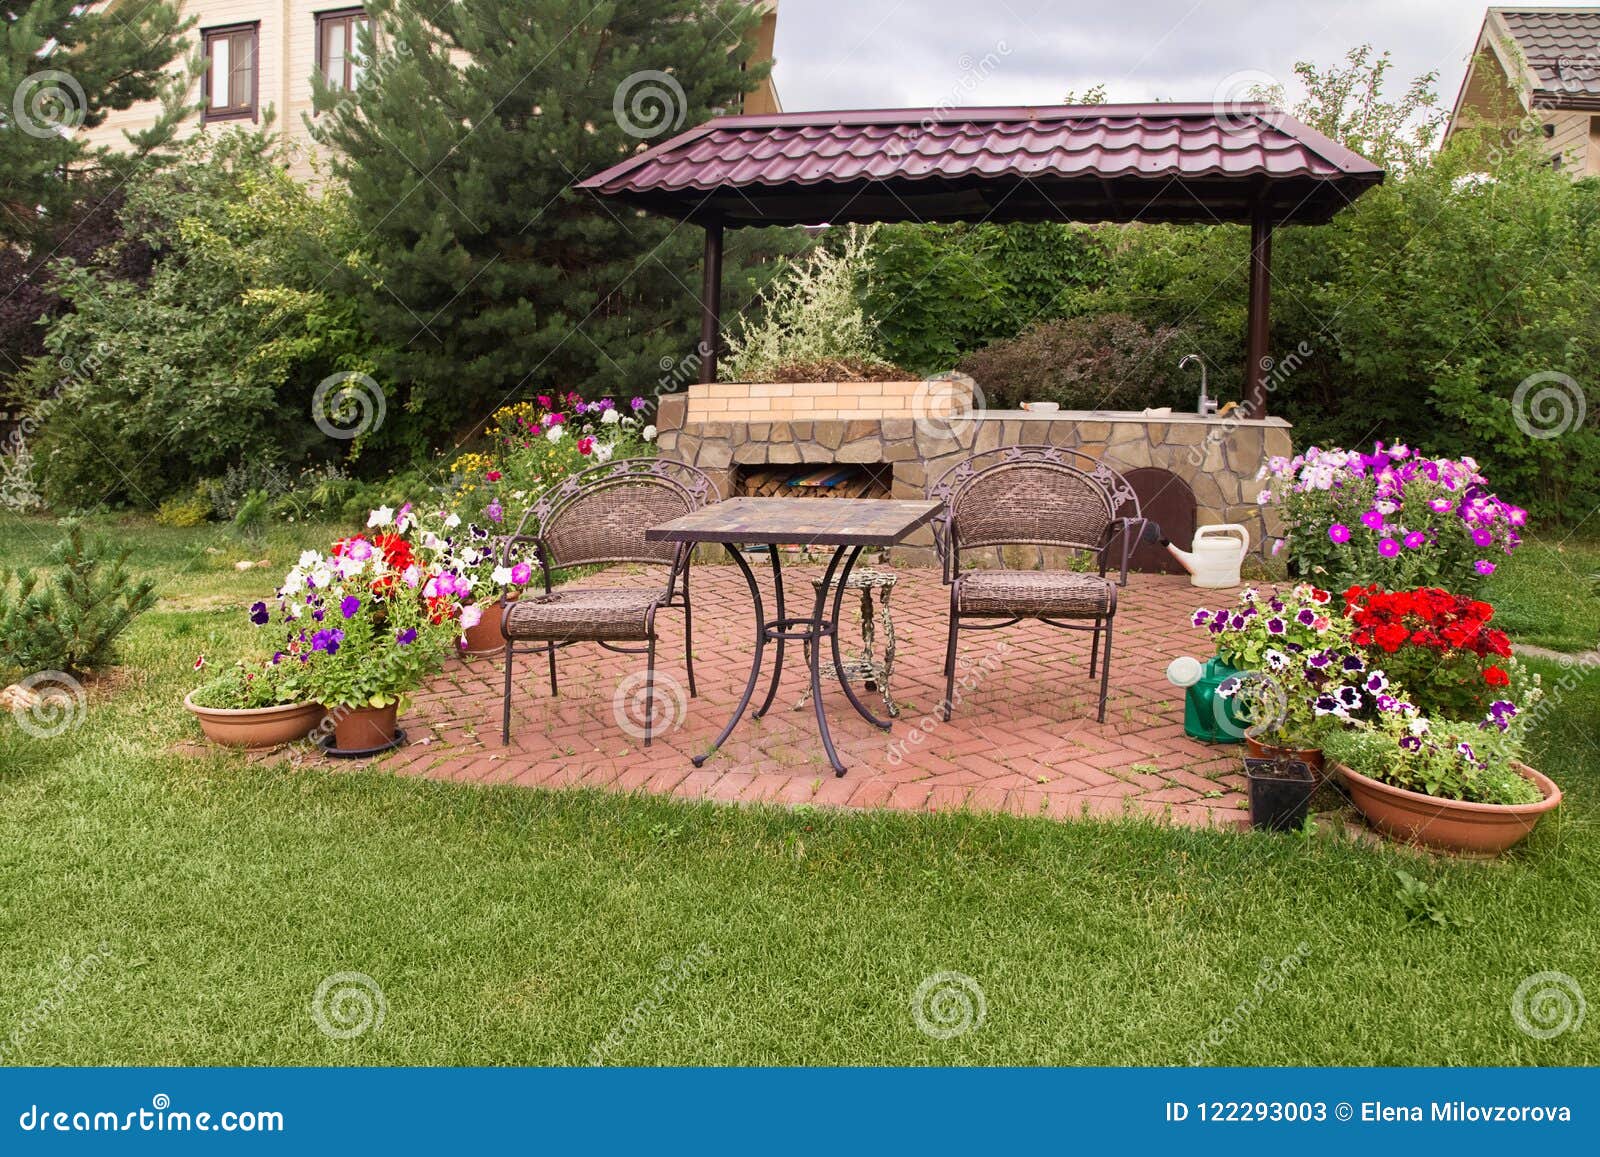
1495	677
586	445
493	476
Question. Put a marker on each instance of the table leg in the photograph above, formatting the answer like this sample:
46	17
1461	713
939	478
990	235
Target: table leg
838	658
777	668
755	662
814	649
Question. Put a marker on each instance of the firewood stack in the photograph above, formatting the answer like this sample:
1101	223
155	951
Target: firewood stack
810	481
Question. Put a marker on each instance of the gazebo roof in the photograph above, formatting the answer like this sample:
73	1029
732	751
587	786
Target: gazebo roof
1146	162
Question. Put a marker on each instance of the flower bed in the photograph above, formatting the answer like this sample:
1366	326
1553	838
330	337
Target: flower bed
1393	517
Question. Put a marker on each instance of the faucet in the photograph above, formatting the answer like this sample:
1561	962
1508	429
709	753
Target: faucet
1208	404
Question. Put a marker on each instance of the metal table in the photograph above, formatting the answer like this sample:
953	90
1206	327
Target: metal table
849	525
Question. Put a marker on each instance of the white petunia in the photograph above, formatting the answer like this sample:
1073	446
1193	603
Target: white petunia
453	521
309	559
649	433
610	418
382	516
554	433
500	576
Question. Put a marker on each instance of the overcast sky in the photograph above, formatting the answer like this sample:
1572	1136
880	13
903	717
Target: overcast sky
887	53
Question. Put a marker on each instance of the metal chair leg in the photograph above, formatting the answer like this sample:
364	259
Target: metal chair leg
649	688
950	668
551	647
1105	672
688	633
505	717
1094	647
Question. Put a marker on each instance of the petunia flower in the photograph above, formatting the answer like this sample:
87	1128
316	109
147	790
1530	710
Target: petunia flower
1339	533
258	614
1388	547
349	605
1483	567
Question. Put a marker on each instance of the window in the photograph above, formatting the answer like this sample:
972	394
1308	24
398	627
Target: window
230	77
338	48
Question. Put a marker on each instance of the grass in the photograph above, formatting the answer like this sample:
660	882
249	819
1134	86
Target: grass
1543	594
514	926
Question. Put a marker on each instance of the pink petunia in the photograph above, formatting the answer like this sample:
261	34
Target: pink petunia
1388	547
1339	533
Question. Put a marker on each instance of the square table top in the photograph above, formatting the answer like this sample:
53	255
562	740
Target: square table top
811	521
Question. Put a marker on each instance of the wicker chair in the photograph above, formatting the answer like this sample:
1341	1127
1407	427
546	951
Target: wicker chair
1034	496
599	516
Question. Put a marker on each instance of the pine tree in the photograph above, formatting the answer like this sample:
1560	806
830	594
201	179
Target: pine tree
64	65
489	275
69	620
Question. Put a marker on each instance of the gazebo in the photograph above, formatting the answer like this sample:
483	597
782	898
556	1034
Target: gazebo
1211	163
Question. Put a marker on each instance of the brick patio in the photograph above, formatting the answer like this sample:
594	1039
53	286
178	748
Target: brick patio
1023	740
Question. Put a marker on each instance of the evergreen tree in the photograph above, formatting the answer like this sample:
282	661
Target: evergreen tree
486	271
64	65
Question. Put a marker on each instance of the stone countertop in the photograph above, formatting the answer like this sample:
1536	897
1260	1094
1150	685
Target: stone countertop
1120	416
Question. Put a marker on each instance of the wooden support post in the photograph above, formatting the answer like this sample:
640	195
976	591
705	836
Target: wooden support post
711	301
1257	365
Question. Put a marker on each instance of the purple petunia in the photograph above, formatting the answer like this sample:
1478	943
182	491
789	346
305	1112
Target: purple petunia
1376	682
406	637
1483	567
1410	743
1353	663
1349	697
349	606
1339	532
1482	536
1306	617
1320	660
1201	617
1415	539
1275	626
1388	703
638	404
494	512
258	614
1388	547
1372	520
326	640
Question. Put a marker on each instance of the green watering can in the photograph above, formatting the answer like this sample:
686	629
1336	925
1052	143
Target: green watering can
1206	716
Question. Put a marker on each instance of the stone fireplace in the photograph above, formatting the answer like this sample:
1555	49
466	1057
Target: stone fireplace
777	438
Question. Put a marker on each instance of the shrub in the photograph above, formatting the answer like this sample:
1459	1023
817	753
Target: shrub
184	511
246	685
1107	362
69	620
1395	517
839	370
153	384
810	312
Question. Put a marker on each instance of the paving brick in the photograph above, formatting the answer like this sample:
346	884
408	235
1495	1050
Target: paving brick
1031	719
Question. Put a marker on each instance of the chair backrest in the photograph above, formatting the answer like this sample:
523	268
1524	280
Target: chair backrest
599	515
1028	496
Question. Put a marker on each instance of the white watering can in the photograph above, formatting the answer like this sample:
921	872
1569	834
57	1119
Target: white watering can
1216	557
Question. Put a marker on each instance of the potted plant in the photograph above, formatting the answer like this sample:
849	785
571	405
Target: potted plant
482	571
376	623
256	704
1445	784
1280	792
1299	675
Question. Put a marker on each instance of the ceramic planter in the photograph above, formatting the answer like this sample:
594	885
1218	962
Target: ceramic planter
1280	793
1480	829
364	728
256	727
487	637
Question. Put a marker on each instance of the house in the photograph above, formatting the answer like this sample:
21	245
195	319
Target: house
1537	71
260	54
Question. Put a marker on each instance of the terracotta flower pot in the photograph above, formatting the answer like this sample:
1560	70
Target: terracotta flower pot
487	637
363	728
1482	829
256	727
1310	756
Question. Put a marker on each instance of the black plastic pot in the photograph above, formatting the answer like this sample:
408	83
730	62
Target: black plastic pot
1280	793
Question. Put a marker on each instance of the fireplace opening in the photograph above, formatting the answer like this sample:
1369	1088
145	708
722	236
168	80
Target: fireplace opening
815	480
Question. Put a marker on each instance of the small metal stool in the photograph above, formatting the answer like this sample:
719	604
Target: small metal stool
873	673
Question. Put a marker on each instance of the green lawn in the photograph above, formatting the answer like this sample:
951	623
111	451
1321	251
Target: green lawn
515	926
1543	594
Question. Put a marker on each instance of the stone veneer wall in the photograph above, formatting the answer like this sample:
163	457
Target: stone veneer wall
1217	458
